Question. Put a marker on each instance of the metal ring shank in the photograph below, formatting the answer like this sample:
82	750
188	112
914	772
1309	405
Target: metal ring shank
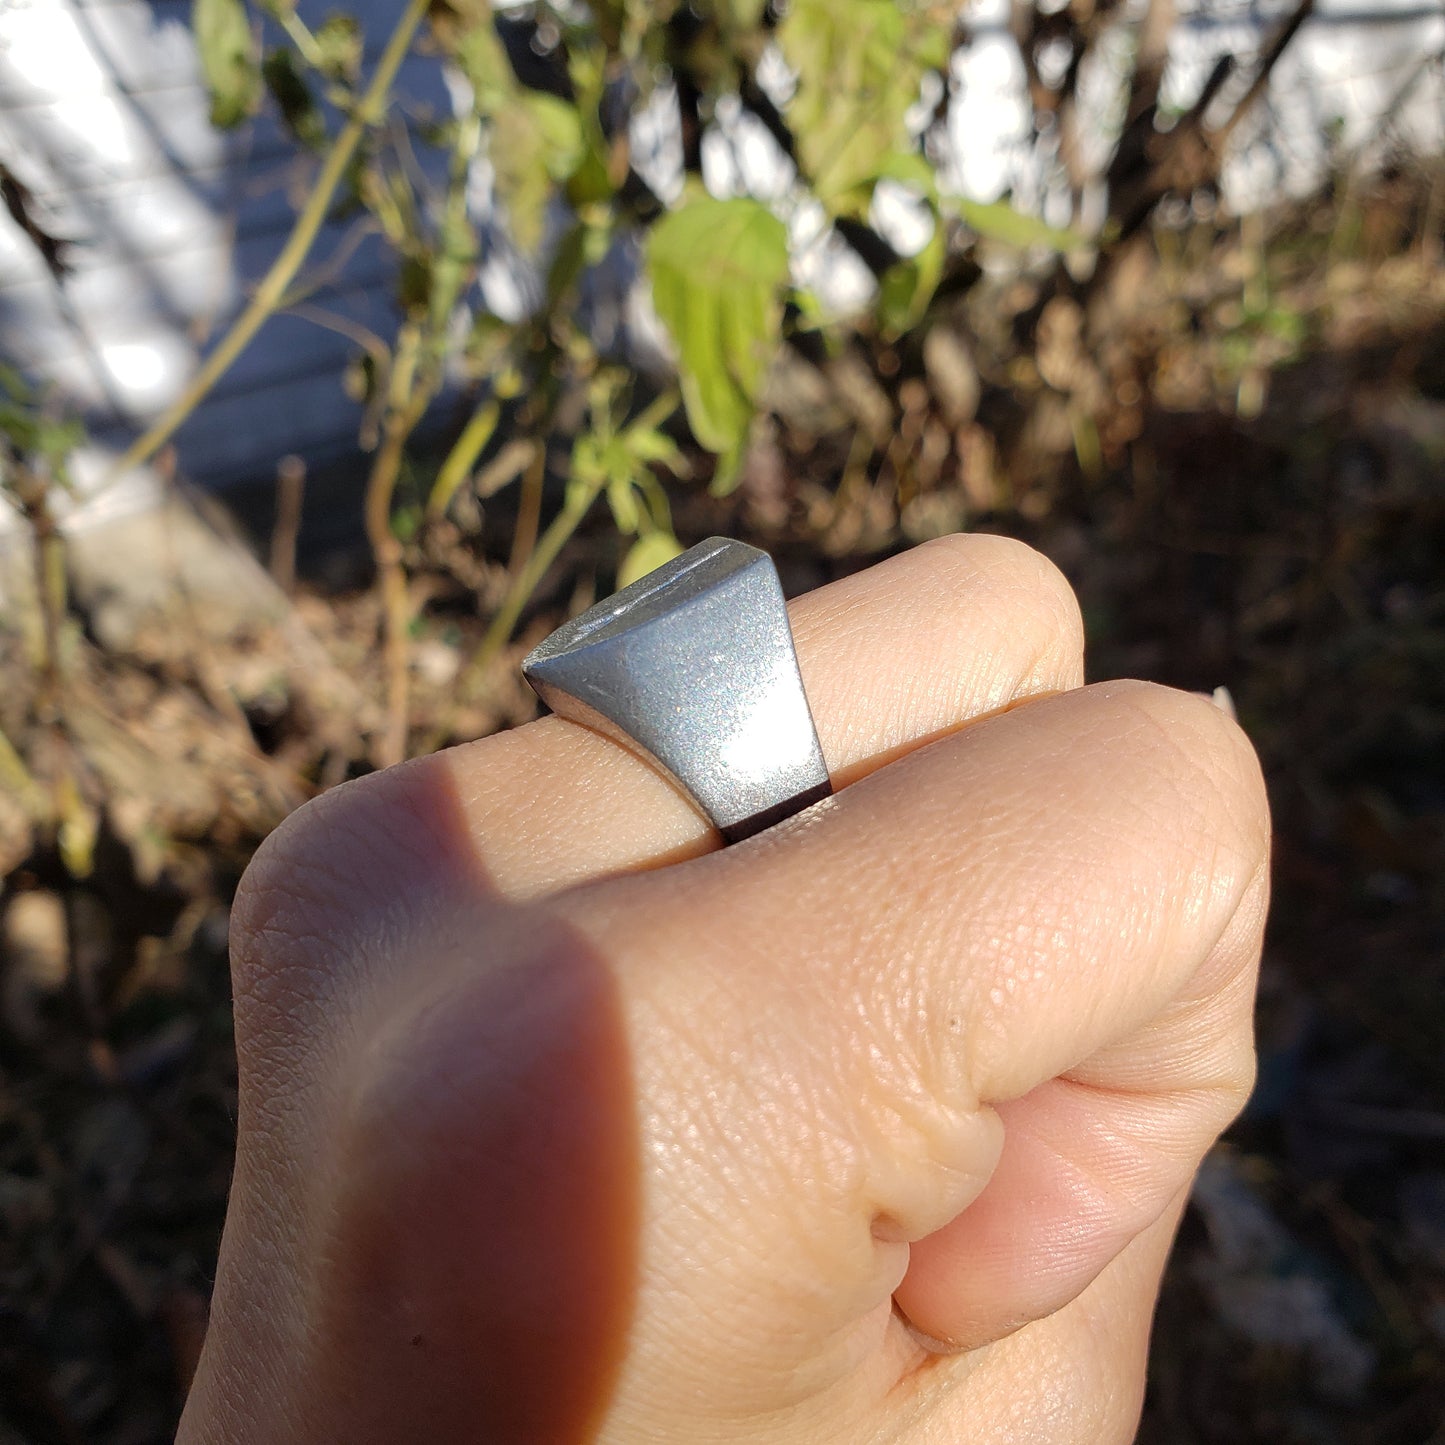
694	666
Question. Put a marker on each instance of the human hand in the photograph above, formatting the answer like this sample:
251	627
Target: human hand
557	1124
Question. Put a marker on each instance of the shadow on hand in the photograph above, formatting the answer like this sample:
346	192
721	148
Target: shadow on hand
470	1266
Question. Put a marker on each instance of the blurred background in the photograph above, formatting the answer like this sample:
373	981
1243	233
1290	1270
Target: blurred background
343	352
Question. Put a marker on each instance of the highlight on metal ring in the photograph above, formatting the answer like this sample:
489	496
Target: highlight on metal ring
694	666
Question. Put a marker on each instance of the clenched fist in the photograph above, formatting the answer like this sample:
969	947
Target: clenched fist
560	1124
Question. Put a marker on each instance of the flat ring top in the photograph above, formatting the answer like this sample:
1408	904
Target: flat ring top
694	666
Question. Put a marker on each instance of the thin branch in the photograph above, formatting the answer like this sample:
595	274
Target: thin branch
524	584
1267	63
363	336
410	395
269	294
18	781
457	467
332	268
529	512
290	492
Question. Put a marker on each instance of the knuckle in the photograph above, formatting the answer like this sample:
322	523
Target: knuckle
1195	771
1241	1071
1043	609
334	874
1203	758
281	920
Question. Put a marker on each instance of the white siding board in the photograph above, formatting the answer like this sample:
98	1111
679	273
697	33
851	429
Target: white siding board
154	221
58	51
102	116
110	378
130	354
148	227
234	166
195	282
50	51
103	119
242	437
104	137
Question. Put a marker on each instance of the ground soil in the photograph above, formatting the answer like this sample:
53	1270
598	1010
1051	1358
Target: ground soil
1246	492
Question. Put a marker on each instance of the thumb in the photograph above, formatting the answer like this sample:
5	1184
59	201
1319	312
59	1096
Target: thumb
1049	921
1093	1158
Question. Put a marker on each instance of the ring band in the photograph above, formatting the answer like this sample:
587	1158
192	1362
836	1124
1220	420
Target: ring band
694	666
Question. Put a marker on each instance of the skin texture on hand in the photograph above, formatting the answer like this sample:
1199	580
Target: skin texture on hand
558	1124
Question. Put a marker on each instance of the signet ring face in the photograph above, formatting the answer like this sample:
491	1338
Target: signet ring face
694	667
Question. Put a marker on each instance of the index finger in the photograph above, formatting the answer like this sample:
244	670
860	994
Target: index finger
891	657
1050	921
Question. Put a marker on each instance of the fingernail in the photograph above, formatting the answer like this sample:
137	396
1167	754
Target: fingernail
1222	699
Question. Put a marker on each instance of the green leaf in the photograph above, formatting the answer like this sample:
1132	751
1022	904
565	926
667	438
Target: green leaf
646	555
910	169
999	221
20	427
536	145
13	383
568	261
339	44
908	287
859	64
230	61
414	280
718	269
453	22
56	439
484	62
31	428
589	467
541	147
456	253
652	448
294	99
622	500
747	14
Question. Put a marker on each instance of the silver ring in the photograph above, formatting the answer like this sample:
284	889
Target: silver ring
694	667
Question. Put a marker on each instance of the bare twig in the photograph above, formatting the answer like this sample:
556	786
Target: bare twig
1189	155
268	296
345	326
1267	62
32	492
529	512
290	489
525	583
17	780
409	398
332	269
509	463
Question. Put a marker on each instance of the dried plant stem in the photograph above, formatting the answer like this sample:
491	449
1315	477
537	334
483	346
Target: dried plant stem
50	574
529	512
290	495
270	294
16	779
410	395
457	467
525	582
32	492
